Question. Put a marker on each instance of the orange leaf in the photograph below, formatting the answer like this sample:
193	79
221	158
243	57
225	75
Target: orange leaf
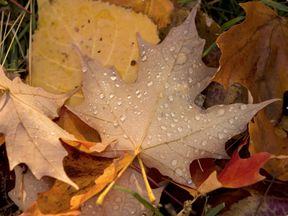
35	211
82	169
254	53
159	10
264	139
101	182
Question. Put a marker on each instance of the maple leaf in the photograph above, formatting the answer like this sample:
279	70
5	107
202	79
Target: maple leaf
156	114
264	139
159	10
238	172
98	28
30	136
254	54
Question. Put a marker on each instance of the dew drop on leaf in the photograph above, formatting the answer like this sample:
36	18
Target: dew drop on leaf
204	142
113	77
122	117
243	106
174	162
84	69
178	171
182	58
172	48
163	127
180	129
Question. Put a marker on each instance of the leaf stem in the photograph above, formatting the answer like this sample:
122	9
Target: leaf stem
149	190
100	199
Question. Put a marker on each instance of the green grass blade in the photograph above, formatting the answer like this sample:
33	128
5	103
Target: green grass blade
214	211
209	49
140	199
232	22
275	5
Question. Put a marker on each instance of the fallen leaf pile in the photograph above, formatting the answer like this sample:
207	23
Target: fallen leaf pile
138	101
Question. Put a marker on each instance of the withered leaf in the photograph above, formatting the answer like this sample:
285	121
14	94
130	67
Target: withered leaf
157	112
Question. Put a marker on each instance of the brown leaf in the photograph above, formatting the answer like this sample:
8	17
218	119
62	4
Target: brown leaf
156	113
106	33
159	10
31	137
264	139
254	53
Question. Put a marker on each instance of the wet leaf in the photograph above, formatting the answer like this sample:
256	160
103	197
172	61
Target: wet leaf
157	113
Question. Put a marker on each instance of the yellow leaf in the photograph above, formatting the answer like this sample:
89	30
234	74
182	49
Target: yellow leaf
106	33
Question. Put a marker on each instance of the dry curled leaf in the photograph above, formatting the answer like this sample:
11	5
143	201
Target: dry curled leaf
31	137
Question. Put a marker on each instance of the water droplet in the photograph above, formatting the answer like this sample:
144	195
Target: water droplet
162	156
220	112
159	118
166	85
113	77
37	126
144	58
118	200
185	31
220	135
231	121
172	48
174	162
180	129
125	135
173	125
115	207
84	69
101	95
169	134
189	181
225	130
173	114
197	118
163	127
190	80
178	171
95	112
170	98
190	106
122	117
243	106
204	142
150	83
181	58
111	96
